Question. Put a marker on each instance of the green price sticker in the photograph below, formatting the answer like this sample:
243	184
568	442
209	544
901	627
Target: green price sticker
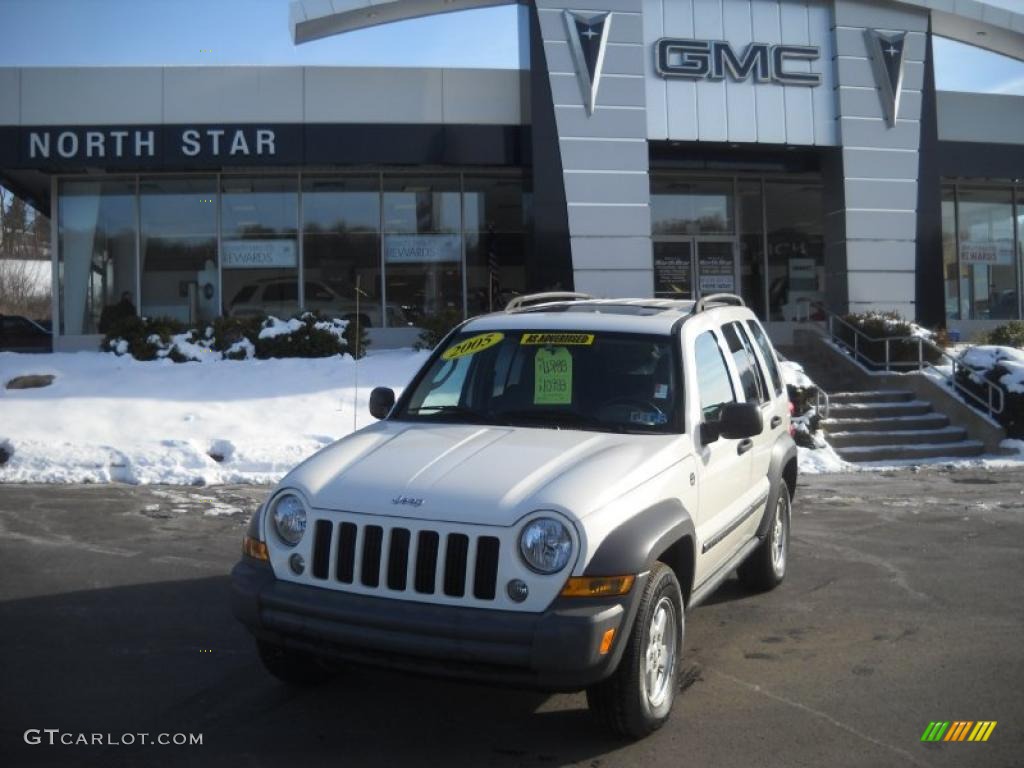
552	376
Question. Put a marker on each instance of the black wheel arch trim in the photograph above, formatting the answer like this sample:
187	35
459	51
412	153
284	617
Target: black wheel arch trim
783	452
634	546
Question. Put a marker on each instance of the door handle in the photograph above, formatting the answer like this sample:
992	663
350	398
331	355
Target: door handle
776	420
744	445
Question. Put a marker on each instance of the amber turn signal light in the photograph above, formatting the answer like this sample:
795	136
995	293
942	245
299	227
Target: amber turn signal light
254	548
597	586
606	641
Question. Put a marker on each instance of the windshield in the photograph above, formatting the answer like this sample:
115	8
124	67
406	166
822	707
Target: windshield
613	382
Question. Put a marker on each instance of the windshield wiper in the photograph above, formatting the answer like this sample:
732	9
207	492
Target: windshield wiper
567	419
448	410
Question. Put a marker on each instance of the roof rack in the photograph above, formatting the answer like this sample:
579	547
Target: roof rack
718	299
520	302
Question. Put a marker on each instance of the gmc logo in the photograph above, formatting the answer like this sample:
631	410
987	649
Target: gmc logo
715	59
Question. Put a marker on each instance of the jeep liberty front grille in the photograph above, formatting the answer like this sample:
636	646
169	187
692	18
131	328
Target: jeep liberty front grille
426	562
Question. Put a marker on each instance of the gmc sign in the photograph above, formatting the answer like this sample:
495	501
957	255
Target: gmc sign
715	59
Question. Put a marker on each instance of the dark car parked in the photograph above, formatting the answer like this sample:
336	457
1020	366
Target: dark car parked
19	334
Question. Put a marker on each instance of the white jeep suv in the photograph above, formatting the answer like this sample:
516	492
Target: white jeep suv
558	485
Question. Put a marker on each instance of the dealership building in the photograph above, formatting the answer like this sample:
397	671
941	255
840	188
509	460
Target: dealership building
796	152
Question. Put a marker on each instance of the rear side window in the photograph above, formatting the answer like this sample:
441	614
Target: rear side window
755	390
766	352
713	383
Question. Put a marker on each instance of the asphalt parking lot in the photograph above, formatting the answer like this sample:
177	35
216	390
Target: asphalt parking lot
902	606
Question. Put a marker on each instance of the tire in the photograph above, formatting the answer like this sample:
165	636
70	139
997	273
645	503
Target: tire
637	699
766	567
292	667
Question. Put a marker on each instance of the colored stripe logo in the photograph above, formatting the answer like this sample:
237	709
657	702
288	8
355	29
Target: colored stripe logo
958	730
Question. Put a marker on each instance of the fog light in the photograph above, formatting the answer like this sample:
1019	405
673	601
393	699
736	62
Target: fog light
517	590
297	564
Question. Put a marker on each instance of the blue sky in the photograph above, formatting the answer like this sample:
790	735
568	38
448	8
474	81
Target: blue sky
217	32
179	32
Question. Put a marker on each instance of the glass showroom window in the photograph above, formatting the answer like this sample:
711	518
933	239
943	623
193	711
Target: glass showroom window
987	251
752	261
97	264
423	246
692	206
796	250
496	250
259	246
950	263
178	237
341	245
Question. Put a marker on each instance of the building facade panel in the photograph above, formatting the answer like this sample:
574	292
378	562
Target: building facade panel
93	96
754	154
233	94
10	96
386	95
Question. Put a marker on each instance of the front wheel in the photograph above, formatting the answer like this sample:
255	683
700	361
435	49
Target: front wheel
637	699
766	567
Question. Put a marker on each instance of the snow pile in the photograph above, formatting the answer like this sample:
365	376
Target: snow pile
793	375
273	327
984	358
109	418
817	461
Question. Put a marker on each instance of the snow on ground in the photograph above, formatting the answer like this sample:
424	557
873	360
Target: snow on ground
114	419
107	418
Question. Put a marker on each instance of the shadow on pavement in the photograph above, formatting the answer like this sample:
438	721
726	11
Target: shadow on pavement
169	658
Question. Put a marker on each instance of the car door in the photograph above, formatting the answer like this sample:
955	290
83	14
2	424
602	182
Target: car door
756	389
723	468
776	421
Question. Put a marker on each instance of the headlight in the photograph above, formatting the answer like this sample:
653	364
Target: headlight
289	519
545	545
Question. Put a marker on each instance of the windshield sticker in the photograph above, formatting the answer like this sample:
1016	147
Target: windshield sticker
543	339
660	391
472	345
552	377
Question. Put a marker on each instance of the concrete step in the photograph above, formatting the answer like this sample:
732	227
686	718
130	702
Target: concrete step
876	396
912	451
897	437
865	423
878	410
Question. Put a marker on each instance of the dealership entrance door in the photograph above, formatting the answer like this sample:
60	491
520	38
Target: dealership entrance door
691	267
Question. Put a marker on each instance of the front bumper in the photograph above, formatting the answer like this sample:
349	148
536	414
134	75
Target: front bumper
557	650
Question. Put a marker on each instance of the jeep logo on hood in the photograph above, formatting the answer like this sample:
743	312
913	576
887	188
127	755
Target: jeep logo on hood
410	500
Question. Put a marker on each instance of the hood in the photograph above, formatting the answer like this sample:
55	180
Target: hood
487	475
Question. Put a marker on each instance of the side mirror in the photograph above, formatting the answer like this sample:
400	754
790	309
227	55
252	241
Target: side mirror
382	400
736	421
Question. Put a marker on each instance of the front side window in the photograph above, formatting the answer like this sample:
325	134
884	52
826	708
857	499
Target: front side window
751	377
713	383
557	379
761	339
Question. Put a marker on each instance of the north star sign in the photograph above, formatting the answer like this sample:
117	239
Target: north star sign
140	144
716	60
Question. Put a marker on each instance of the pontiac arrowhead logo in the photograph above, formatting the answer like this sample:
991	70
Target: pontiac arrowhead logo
886	52
588	39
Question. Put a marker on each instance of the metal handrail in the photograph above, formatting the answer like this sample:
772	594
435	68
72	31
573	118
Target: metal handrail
988	404
821	394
